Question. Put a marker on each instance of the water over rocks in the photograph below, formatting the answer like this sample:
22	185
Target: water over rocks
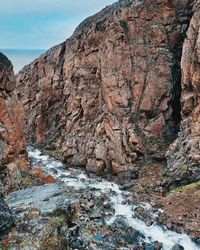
79	212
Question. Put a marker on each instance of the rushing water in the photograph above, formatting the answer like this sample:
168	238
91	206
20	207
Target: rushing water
79	180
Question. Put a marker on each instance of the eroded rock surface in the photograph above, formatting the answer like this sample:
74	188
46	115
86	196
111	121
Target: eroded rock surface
12	141
109	96
184	153
6	219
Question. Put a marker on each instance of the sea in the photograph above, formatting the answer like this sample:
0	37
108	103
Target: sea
21	57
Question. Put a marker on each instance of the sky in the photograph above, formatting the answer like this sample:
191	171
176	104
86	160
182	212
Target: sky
41	24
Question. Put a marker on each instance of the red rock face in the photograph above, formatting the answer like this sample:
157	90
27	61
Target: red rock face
184	153
39	173
12	141
105	97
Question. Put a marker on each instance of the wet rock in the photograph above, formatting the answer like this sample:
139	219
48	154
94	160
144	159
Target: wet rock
127	186
39	173
87	205
149	247
154	246
126	234
95	216
74	240
158	245
177	247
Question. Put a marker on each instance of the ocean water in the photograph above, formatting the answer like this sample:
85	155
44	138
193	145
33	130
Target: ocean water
21	57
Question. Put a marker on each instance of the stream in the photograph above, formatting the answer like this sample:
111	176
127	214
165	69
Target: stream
121	207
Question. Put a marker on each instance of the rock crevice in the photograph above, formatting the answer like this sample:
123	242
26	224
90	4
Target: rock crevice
184	153
110	94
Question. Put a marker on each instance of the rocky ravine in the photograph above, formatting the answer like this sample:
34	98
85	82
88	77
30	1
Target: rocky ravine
108	98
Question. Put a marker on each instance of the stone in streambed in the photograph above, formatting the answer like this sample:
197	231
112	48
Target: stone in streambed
39	173
127	234
95	216
74	240
149	247
178	247
126	186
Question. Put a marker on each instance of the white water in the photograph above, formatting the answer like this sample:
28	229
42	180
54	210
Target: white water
81	181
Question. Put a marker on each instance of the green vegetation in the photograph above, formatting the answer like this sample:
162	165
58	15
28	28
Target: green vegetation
186	188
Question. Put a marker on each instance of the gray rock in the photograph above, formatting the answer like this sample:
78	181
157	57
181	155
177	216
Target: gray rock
127	186
95	216
6	219
149	247
177	247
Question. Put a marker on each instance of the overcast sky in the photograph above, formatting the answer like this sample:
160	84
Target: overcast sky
42	23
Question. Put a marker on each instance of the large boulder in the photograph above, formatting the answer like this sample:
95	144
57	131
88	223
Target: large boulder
110	95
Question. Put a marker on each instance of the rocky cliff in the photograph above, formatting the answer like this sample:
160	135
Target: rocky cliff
184	153
108	98
12	140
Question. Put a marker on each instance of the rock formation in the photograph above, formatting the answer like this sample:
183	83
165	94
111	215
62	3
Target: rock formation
6	219
12	141
109	97
184	153
121	93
